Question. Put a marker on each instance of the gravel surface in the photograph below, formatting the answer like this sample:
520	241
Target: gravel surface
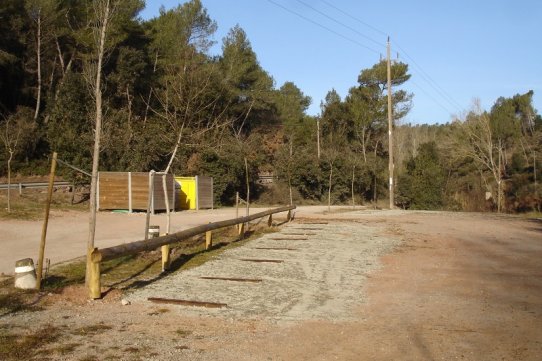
320	275
453	286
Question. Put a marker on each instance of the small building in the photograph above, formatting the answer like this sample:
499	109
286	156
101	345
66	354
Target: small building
194	192
129	191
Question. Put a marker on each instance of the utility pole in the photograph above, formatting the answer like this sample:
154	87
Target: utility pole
390	128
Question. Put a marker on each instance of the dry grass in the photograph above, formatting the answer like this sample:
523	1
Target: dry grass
130	271
20	346
14	300
31	204
91	330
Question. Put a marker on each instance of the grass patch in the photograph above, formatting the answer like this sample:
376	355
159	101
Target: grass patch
73	272
132	349
31	204
66	349
532	215
91	330
159	311
89	358
183	333
14	300
133	271
23	346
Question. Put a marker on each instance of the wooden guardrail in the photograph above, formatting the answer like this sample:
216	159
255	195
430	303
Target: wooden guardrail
105	254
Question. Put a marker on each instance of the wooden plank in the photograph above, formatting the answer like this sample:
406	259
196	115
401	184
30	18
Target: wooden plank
113	190
289	238
298	234
187	302
253	280
151	244
112	174
205	192
262	260
276	248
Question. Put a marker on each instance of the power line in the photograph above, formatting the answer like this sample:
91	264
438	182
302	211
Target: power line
424	75
431	97
354	18
430	80
324	27
340	23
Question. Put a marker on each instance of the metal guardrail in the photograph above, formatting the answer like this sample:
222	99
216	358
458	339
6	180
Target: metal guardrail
33	185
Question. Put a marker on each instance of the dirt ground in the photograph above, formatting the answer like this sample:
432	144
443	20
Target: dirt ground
454	286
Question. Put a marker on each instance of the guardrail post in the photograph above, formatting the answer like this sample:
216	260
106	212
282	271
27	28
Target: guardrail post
270	220
20	188
166	260
208	240
94	285
241	229
289	216
105	254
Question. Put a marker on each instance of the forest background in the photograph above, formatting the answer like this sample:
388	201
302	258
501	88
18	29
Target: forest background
161	91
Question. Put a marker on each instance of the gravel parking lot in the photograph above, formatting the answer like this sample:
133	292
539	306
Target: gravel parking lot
305	271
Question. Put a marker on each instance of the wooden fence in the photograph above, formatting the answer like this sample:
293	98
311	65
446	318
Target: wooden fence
130	190
105	254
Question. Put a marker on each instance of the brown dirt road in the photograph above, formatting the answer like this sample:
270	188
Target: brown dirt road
460	286
466	287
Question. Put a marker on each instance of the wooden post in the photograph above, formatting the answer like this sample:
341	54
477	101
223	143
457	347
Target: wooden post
241	230
166	199
270	220
46	220
149	203
390	131
94	285
208	240
165	257
237	209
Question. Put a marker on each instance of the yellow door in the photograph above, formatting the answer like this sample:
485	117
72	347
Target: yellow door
187	193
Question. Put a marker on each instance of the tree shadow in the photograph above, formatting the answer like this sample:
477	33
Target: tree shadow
536	224
176	264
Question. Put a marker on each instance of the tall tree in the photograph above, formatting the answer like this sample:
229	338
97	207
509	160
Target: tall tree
104	12
12	48
248	86
422	186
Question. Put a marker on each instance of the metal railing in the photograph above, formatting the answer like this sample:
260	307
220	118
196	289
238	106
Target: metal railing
32	185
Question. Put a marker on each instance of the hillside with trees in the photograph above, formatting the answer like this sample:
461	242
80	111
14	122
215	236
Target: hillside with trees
164	100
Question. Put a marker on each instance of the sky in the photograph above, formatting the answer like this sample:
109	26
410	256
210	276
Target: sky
456	50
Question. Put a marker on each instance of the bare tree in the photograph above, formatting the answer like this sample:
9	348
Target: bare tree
481	145
331	154
10	135
104	11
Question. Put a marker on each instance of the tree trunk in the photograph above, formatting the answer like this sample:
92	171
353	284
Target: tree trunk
329	188
148	103
499	181
363	146
9	180
104	13
290	171
374	172
38	59
248	188
353	178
